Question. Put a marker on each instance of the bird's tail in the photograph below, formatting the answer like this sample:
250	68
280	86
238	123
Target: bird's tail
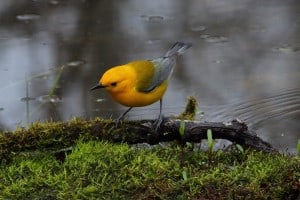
177	49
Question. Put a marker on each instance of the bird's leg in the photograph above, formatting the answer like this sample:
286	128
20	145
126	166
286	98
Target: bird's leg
159	120
120	118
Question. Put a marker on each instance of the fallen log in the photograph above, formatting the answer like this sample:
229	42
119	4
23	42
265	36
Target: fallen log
134	132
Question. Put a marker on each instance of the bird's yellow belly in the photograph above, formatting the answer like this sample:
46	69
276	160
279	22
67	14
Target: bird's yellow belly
133	98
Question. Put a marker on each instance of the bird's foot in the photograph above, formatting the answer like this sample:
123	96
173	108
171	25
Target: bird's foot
158	122
119	121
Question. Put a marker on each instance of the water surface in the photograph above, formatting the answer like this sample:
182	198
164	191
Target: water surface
244	62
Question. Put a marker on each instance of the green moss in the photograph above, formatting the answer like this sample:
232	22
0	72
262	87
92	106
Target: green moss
29	177
70	161
101	170
50	135
190	110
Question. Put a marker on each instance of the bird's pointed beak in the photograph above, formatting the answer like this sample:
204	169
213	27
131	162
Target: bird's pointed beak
98	86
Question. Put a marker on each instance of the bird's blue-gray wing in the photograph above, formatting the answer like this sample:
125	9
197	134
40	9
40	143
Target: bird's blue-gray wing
163	67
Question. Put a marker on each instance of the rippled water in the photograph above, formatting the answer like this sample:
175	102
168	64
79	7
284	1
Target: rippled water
255	111
244	62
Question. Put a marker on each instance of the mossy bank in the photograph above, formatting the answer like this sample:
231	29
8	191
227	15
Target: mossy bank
95	169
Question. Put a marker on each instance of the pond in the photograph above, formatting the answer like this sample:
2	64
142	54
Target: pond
244	62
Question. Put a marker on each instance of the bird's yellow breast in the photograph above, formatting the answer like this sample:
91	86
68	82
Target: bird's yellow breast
126	83
133	98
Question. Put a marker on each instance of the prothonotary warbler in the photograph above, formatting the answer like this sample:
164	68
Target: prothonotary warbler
142	82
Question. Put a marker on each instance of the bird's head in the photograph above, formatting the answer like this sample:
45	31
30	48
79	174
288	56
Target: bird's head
115	80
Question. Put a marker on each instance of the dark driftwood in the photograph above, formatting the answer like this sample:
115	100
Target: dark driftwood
142	132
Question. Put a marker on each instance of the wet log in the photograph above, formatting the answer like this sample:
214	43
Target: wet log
134	132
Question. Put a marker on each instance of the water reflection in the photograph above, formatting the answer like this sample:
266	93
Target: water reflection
28	17
244	62
213	39
76	63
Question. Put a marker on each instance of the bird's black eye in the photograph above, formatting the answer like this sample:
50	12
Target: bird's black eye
113	84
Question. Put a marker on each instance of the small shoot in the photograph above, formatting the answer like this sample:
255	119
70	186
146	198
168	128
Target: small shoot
181	128
55	83
211	142
240	148
184	175
189	145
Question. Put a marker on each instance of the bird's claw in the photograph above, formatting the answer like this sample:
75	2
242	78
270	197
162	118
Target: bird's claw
120	119
119	122
157	123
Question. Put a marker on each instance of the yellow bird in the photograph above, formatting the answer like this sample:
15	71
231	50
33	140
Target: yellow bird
142	82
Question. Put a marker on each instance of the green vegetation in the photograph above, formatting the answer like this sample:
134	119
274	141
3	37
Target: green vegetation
94	169
182	128
210	141
47	99
240	148
190	110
